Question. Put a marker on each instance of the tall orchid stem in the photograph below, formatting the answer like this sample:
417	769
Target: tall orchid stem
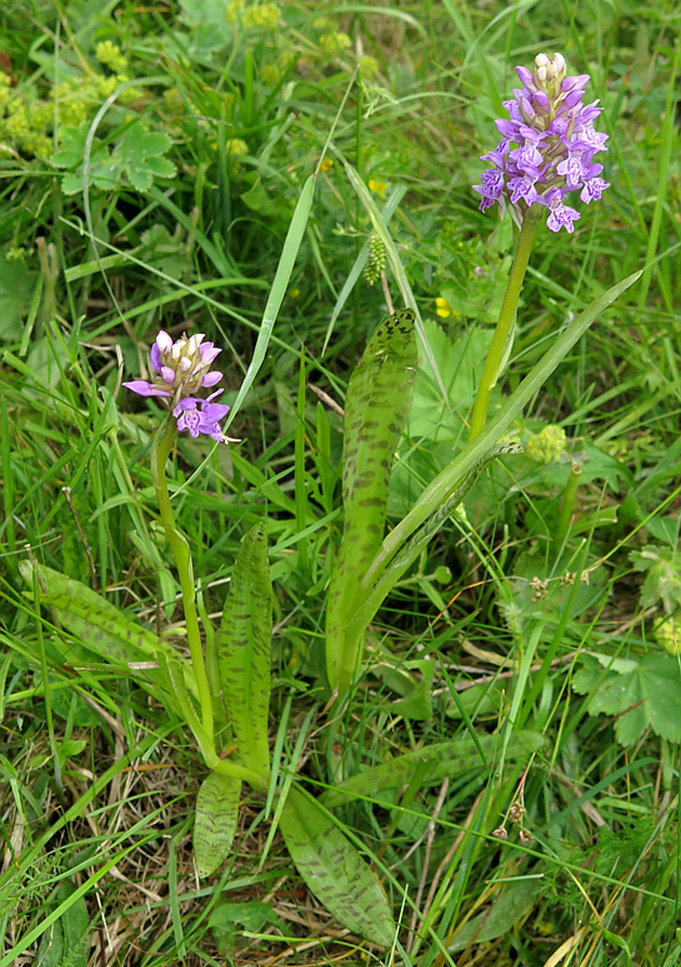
163	442
504	325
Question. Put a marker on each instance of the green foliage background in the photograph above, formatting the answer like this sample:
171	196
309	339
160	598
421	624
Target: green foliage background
151	158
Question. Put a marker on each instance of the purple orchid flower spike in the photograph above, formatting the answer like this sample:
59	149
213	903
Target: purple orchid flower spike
180	369
547	147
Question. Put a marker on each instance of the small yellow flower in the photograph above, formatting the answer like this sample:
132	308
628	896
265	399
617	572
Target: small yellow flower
378	186
327	164
444	309
294	293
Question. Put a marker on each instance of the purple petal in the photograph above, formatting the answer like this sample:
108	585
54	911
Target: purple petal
209	352
210	379
213	412
167	373
143	388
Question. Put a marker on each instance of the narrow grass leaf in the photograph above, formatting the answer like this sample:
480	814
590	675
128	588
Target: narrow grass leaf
244	651
445	759
289	254
376	410
217	811
333	869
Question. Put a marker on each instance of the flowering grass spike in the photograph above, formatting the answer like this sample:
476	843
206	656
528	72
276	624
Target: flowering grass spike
180	369
547	147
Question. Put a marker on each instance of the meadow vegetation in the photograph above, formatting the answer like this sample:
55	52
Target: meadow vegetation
497	760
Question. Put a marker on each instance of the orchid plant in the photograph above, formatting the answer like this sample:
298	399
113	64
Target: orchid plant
547	151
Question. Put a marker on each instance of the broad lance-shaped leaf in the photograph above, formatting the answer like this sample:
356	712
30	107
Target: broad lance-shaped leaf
217	811
377	406
244	651
333	869
376	584
98	623
443	758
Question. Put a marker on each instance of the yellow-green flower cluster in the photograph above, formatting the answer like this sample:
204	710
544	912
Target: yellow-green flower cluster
270	74
110	54
24	126
235	149
26	123
262	16
368	67
547	446
259	16
333	44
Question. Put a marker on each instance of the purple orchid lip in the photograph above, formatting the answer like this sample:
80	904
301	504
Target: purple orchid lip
179	369
547	147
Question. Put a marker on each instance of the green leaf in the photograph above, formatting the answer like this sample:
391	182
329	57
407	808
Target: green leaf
444	759
460	363
449	479
641	693
217	812
138	156
64	944
100	625
376	410
253	915
17	286
511	907
333	869
244	651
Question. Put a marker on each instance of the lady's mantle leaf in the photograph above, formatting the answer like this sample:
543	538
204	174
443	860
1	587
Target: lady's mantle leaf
137	157
642	693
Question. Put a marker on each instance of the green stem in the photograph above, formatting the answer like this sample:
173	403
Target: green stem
163	442
563	524
504	325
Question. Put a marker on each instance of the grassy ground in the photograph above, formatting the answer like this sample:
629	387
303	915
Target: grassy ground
151	158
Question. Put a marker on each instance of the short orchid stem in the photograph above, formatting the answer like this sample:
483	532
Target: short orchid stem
163	442
504	326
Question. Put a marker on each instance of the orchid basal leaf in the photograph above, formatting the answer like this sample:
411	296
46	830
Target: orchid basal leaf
377	406
97	623
217	811
443	758
244	651
333	869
